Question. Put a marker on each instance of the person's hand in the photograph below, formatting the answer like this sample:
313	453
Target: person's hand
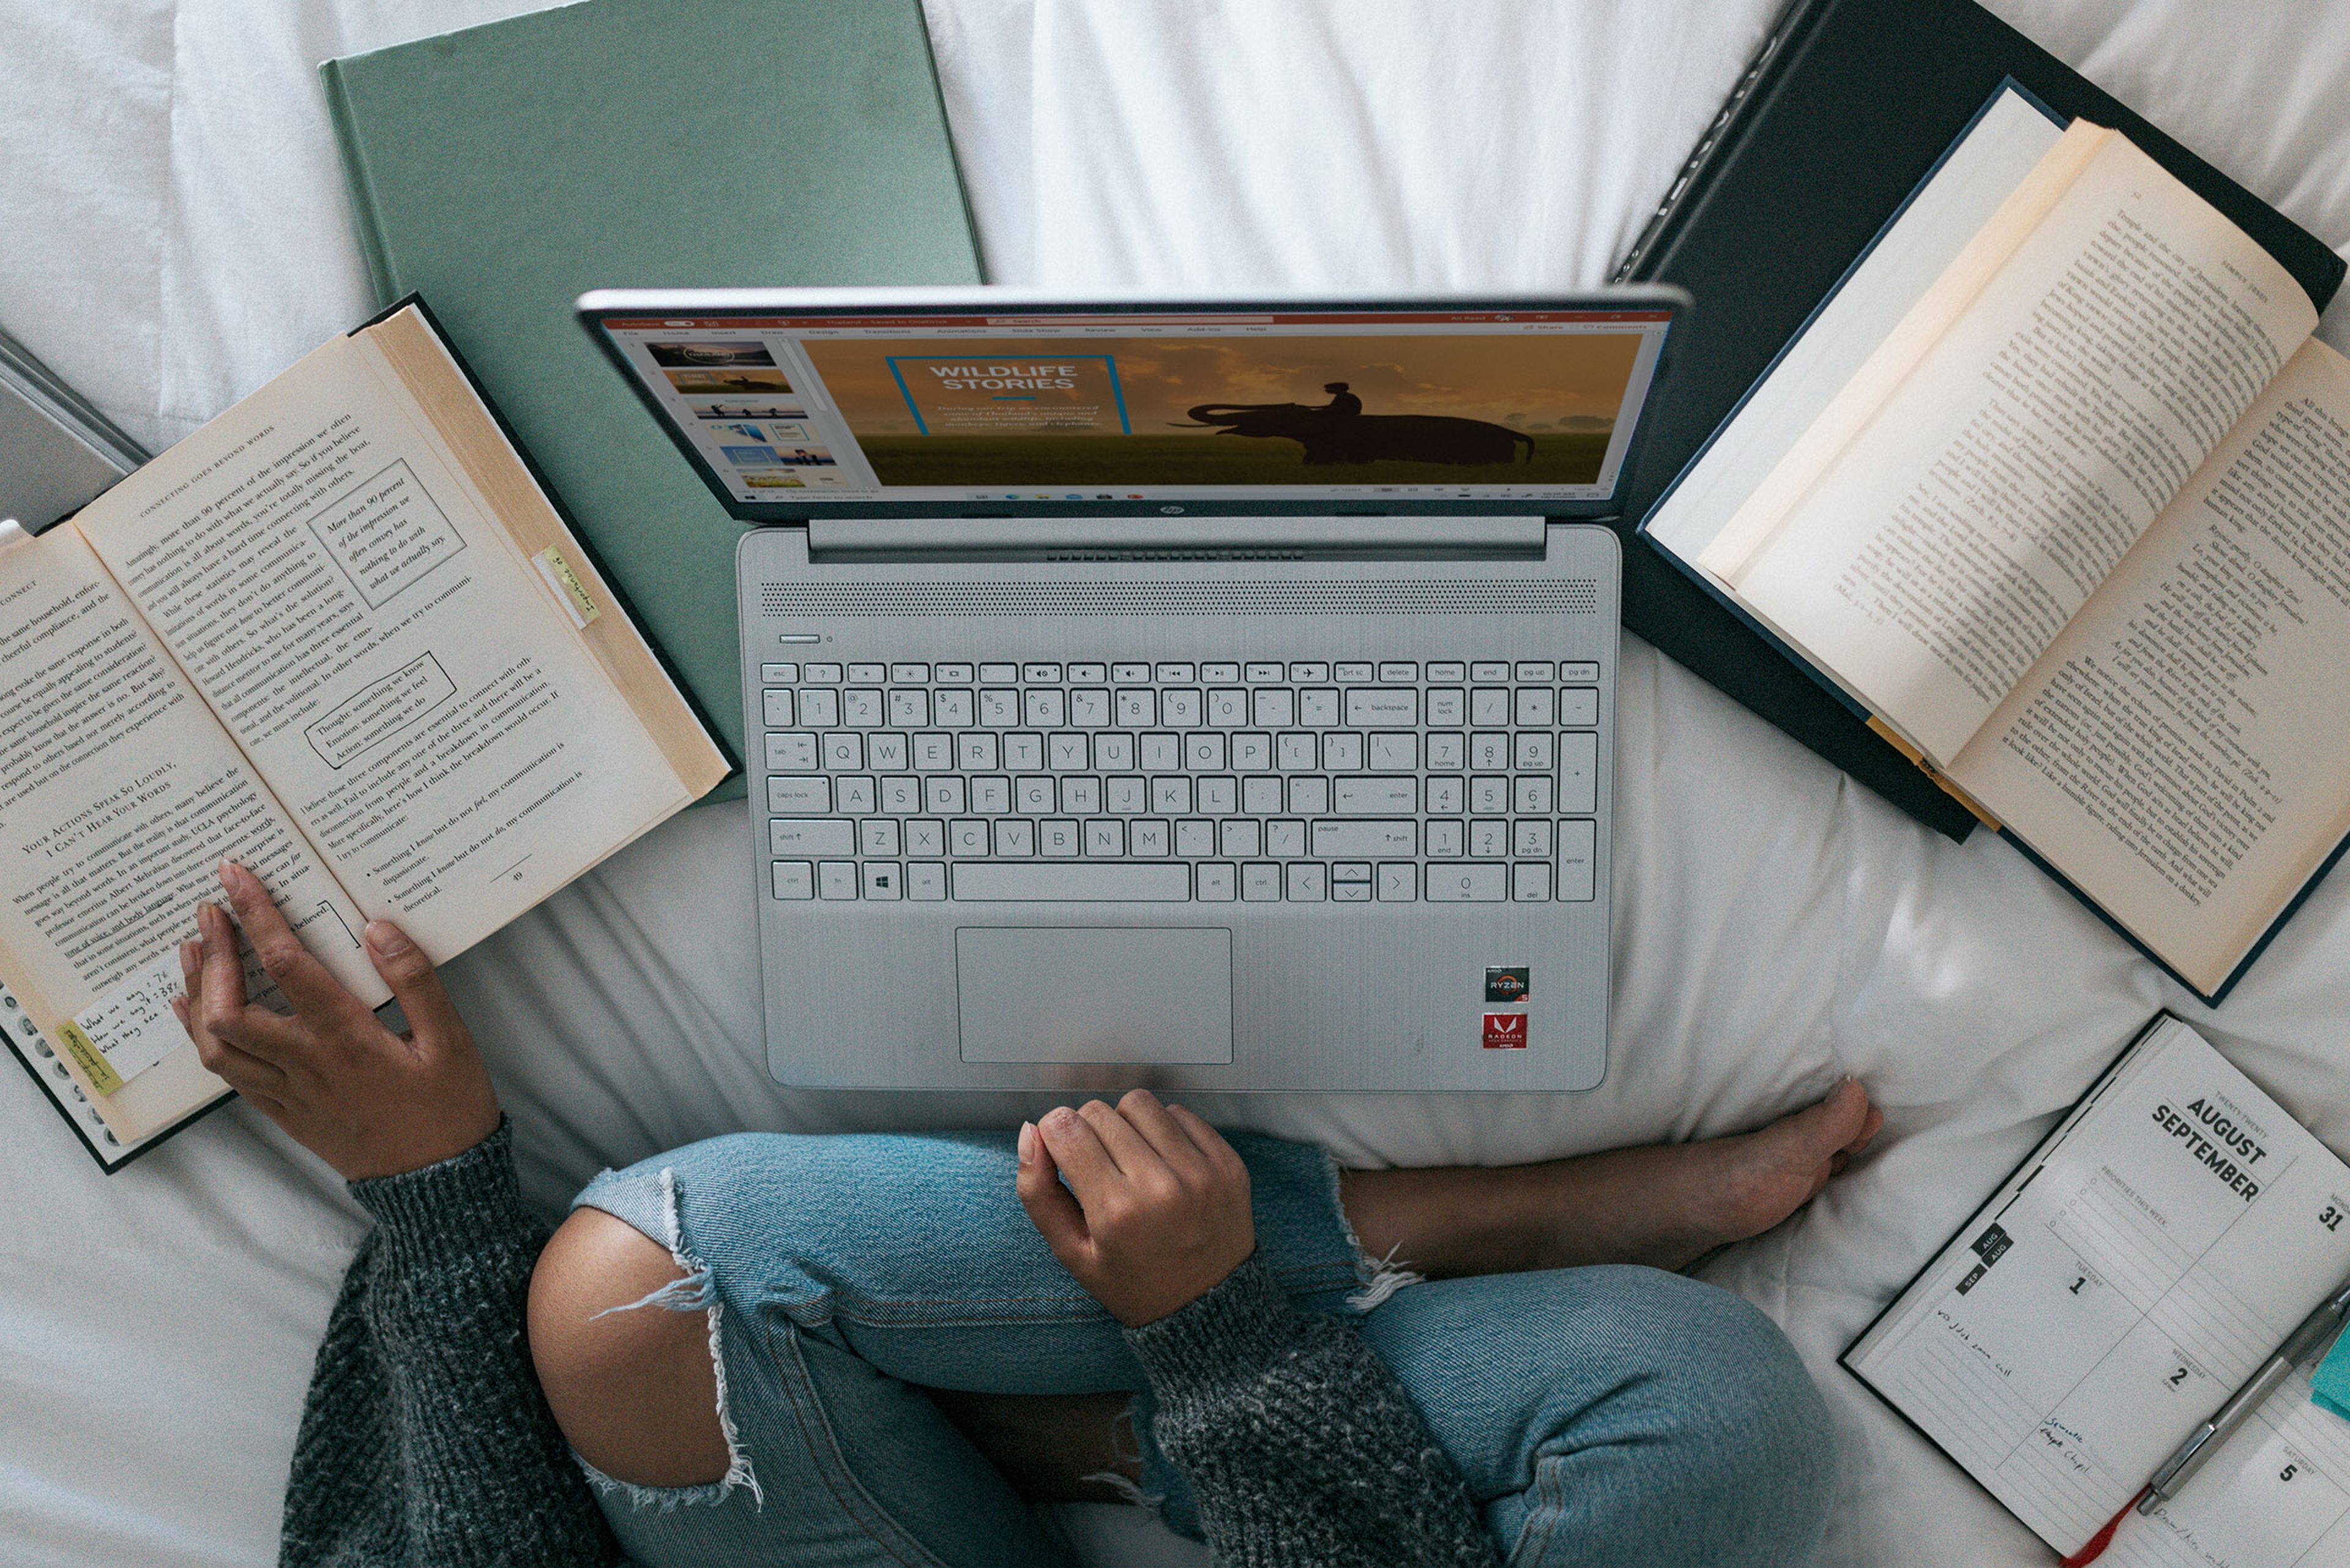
366	1101
1155	1213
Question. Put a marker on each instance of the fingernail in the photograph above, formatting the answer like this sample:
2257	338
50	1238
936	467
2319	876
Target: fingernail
1027	1143
226	872
387	939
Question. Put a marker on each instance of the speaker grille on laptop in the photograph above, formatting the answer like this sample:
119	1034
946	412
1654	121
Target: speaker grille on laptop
1369	595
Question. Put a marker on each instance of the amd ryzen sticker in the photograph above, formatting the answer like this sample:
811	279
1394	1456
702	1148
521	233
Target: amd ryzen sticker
1511	985
1505	1031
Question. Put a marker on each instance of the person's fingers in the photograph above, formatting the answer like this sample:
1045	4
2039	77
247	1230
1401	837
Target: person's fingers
433	1018
1868	1129
315	993
1076	1147
218	1010
221	970
191	981
1134	1156
1051	1207
1166	1135
1211	1142
246	1074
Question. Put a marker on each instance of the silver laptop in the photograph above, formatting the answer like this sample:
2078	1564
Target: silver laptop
1212	693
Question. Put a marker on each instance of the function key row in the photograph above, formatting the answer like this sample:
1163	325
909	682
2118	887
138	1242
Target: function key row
1254	672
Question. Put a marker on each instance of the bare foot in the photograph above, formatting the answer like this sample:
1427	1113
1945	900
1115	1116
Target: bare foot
1707	1195
1667	1205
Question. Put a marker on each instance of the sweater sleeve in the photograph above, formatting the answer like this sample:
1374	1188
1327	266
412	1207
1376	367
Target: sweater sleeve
1300	1447
425	1438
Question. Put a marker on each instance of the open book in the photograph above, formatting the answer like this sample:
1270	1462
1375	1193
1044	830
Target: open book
2056	488
2131	1275
340	635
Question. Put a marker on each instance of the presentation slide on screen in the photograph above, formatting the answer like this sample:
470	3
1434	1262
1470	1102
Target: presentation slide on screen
1140	415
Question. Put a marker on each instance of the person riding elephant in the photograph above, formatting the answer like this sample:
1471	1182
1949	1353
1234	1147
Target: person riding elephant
1342	403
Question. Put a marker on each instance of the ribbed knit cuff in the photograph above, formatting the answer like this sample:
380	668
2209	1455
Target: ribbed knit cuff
1237	1329
448	1209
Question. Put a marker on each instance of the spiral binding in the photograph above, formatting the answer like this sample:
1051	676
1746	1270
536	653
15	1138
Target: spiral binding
26	1039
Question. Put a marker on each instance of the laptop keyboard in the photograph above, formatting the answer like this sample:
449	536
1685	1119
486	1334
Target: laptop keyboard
1462	782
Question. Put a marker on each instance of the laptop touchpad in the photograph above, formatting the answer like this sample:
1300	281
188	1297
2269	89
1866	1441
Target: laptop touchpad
1035	993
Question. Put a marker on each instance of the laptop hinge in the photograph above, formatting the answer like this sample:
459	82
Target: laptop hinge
1101	538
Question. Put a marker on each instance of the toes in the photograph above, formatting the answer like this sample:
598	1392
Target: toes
1836	1122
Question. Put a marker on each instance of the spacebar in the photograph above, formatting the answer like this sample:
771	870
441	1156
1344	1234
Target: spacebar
1122	883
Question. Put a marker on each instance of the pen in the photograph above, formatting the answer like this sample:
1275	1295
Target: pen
2205	1440
2189	1457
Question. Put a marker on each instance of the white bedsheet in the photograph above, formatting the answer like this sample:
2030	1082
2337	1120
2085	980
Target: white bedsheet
172	232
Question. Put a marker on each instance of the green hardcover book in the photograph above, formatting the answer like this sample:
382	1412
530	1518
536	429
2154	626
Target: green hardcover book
505	170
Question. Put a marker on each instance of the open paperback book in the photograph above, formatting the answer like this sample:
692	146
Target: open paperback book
2056	488
2149	1256
340	635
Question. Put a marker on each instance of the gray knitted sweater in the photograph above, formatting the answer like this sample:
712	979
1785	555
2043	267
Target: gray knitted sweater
425	1439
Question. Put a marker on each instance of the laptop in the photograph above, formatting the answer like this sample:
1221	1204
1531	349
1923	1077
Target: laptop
1211	693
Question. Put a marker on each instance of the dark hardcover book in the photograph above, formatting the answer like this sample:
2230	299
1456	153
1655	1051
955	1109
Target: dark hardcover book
1847	107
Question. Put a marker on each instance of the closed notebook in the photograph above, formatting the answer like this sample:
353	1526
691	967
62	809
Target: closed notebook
505	170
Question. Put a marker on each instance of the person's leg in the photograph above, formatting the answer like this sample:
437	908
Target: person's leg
831	1279
1664	1205
1614	1417
907	1261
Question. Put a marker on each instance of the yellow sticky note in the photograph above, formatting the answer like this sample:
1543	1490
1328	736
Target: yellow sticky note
84	1050
566	586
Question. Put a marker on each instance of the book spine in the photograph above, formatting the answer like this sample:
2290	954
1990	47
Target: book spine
360	182
1635	265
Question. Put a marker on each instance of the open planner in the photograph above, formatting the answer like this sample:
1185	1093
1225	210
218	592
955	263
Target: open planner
339	633
2055	488
2134	1271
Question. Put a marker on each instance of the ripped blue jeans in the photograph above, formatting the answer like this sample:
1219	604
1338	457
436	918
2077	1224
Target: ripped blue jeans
1600	1417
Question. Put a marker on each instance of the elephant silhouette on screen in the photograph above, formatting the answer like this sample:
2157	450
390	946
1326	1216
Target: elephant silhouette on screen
1333	437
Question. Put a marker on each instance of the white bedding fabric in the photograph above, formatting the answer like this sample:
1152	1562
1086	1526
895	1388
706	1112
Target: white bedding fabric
173	231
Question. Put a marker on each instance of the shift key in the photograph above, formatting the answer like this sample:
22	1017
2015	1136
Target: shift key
1578	771
1365	840
808	837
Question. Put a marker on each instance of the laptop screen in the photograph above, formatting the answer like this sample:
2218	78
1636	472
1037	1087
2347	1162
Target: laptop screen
968	403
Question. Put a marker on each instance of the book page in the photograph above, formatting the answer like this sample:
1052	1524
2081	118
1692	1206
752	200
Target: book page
119	794
2135	1278
2277	1491
1946	215
2180	752
1977	502
403	677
